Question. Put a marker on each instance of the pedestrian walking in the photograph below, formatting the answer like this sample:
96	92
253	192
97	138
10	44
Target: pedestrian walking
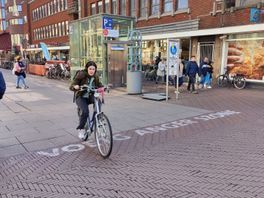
191	71
203	71
19	71
161	70
2	85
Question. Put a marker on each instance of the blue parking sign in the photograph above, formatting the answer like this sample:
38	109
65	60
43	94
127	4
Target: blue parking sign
107	23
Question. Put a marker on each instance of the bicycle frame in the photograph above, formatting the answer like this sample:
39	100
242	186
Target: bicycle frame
96	112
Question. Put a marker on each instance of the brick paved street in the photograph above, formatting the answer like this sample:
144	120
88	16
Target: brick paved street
217	153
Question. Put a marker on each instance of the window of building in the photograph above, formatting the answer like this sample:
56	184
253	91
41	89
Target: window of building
143	8
123	7
114	7
63	28
107	7
59	5
100	7
155	7
93	11
48	7
182	4
53	30
59	29
244	3
56	30
67	27
55	6
19	8
132	8
65	5
168	5
25	19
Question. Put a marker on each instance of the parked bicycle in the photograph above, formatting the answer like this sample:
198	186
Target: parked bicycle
99	124
58	71
237	80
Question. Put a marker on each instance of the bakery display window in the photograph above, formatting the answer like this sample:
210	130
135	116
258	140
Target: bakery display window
246	56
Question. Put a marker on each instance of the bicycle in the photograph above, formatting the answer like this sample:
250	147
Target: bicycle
237	80
99	124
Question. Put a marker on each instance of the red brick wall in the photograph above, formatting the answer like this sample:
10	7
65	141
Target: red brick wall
198	9
55	18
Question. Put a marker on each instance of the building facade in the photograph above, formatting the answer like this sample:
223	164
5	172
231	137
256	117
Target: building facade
228	32
47	21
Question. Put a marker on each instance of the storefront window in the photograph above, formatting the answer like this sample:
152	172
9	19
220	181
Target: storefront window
246	56
151	49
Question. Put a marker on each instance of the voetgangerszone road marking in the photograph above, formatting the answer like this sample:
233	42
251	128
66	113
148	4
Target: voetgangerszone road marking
144	131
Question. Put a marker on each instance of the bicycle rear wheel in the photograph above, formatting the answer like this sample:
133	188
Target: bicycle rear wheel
221	81
239	82
103	135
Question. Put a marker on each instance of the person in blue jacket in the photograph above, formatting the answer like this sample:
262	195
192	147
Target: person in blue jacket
191	71
2	85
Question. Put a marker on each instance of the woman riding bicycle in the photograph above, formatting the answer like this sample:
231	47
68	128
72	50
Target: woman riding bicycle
86	77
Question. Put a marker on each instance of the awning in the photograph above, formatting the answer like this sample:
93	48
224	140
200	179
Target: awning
207	32
50	48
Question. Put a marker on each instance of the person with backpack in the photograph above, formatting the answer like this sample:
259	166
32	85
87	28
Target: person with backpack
19	71
2	85
85	77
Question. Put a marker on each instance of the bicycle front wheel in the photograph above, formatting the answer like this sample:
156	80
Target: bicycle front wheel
239	82
103	135
222	81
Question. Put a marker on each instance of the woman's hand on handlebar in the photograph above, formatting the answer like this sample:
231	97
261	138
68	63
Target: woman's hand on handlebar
101	90
76	87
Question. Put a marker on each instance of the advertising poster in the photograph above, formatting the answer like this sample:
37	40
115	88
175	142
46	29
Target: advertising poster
246	57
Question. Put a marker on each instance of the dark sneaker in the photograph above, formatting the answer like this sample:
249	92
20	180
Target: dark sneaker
18	87
26	87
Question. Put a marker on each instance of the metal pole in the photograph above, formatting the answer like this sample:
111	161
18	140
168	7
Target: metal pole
167	73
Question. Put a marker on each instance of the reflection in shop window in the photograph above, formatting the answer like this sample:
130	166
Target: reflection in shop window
123	7
182	4
132	8
154	7
168	5
143	8
107	7
100	7
114	7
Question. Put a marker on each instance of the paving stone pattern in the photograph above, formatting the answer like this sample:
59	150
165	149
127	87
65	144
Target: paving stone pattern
217	158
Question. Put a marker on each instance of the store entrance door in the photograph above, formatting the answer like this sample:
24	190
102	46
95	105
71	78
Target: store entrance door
205	50
117	63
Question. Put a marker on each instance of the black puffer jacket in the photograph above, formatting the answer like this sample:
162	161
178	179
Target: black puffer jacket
82	78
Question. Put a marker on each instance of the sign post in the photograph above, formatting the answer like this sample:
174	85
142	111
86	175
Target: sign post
173	63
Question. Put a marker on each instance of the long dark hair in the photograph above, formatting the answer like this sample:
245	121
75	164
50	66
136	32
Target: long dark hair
91	63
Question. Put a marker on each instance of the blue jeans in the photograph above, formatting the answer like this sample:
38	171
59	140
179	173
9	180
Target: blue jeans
207	79
20	78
